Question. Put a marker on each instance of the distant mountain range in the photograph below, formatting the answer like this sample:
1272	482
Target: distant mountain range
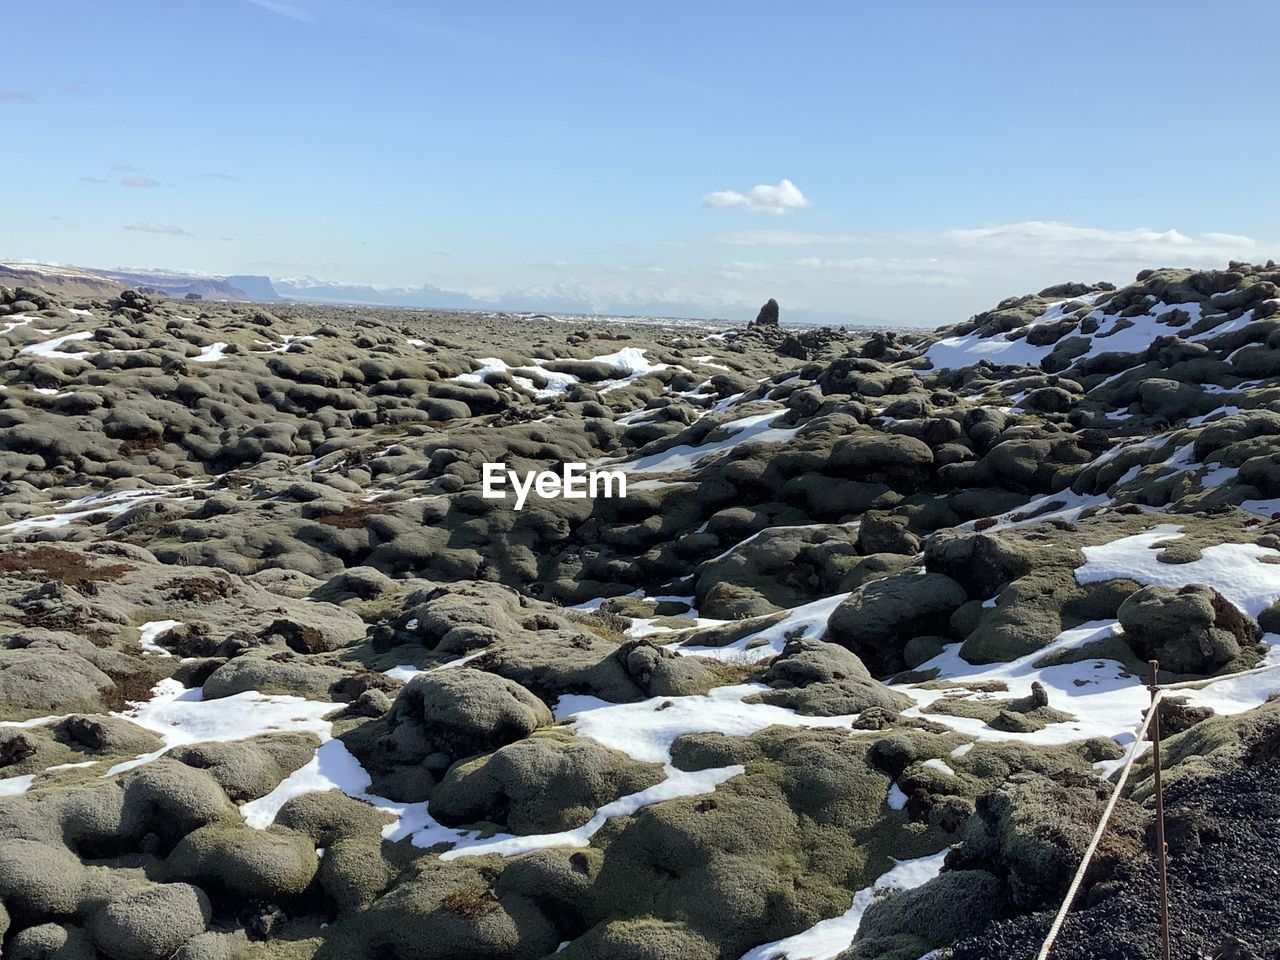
92	281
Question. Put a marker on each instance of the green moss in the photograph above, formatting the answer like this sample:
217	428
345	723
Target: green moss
1206	748
771	852
1002	713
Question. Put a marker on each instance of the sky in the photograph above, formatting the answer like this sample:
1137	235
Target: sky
911	162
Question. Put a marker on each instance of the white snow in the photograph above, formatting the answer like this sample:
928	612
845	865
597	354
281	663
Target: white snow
679	783
1235	570
557	383
49	348
708	360
1105	699
488	367
181	716
12	786
828	938
1264	508
286	341
685	456
645	730
629	363
1115	334
148	632
1053	506
15	321
405	672
1223	411
94	503
1217	476
211	354
333	767
808	621
1242	693
897	800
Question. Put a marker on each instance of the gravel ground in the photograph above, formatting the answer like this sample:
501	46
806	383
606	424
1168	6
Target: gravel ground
1224	896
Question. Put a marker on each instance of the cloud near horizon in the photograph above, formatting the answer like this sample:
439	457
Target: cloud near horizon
166	229
17	96
762	198
970	249
890	271
1049	239
142	183
786	238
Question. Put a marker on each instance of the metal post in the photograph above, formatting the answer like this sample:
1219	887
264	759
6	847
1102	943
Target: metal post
1161	849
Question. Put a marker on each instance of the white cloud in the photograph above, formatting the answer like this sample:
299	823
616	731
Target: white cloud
889	271
762	198
167	229
139	182
786	238
1051	240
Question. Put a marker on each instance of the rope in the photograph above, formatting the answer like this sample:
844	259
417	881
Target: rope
1074	890
1196	684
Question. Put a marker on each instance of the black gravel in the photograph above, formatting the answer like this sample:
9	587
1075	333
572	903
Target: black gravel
1224	883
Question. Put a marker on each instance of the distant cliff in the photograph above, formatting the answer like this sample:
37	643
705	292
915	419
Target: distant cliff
93	282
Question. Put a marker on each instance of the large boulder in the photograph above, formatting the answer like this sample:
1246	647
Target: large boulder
441	717
979	562
248	863
104	735
1189	630
1033	830
51	941
878	619
955	904
768	315
249	769
450	910
150	923
643	939
877	456
540	785
822	679
39	682
40	879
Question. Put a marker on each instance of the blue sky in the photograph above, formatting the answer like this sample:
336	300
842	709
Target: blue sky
938	156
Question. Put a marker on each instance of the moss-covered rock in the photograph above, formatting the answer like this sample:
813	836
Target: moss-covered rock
51	941
150	923
907	924
441	717
822	679
1193	629
543	784
1032	831
246	863
249	769
879	618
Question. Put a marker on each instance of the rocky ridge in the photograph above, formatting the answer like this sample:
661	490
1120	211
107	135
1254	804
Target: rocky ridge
845	673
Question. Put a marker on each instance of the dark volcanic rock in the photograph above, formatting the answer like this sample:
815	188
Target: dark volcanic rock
768	315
